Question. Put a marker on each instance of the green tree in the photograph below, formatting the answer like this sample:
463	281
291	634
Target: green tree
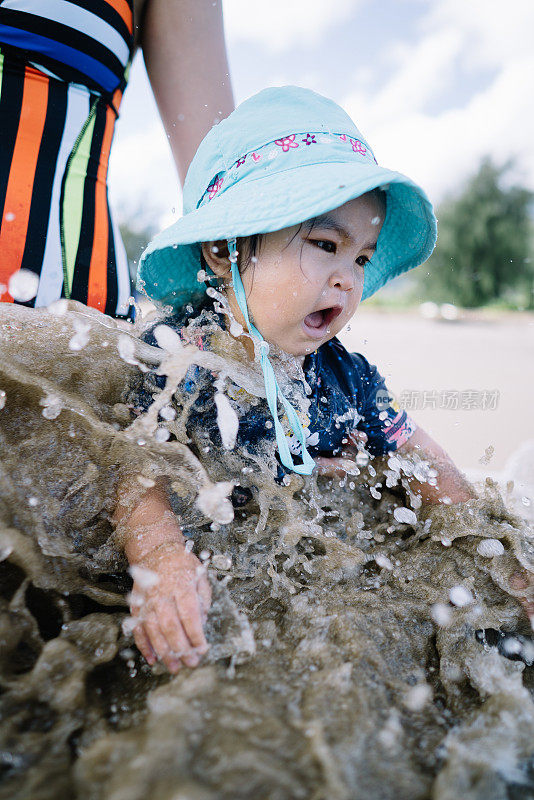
484	250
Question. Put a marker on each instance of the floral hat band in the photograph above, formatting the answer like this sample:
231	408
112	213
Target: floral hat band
286	147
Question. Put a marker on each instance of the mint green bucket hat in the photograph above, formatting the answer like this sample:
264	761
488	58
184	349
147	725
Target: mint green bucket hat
283	157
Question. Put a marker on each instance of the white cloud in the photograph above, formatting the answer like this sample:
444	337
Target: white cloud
494	31
451	46
279	24
439	149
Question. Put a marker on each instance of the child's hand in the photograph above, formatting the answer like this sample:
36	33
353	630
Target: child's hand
171	596
340	467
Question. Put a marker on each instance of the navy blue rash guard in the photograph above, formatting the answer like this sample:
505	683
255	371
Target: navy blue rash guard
347	394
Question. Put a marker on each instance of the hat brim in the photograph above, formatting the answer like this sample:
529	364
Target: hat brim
168	267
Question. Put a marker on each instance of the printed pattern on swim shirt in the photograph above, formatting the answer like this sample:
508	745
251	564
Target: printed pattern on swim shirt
347	394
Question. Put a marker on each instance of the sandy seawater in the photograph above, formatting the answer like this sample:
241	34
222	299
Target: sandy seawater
351	654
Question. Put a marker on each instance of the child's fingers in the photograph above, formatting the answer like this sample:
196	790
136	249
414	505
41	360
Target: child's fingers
159	644
358	436
144	646
335	467
190	615
171	627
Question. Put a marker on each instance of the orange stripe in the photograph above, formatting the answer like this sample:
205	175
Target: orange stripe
117	98
98	268
122	7
14	226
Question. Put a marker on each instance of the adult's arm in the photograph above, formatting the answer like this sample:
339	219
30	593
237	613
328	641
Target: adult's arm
185	56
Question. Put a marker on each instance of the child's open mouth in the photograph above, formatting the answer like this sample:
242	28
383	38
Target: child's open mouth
317	323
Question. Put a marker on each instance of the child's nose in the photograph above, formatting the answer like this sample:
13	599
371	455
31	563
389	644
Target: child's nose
343	278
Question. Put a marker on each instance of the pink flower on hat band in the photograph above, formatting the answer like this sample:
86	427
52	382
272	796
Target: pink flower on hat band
286	142
309	139
358	147
214	187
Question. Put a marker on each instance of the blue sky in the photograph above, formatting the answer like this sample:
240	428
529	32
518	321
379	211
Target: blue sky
433	84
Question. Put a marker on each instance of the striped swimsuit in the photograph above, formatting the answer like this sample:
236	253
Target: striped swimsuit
63	68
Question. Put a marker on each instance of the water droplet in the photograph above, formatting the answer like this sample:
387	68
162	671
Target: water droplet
417	697
167	413
5	551
460	596
161	434
81	337
236	329
511	646
441	614
148	483
52	406
227	421
213	501
383	561
405	515
490	548
167	338
23	285
58	307
145	578
126	348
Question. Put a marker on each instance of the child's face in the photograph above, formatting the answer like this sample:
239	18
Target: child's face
307	283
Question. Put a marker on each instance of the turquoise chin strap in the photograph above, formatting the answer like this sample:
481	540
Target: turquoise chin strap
271	385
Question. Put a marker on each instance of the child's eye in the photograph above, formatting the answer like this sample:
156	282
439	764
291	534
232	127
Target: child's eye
362	261
323	244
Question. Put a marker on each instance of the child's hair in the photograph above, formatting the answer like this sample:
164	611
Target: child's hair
248	247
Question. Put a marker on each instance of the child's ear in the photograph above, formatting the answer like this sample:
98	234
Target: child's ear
216	257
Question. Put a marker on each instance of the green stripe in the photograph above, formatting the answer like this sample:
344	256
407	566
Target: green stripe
73	197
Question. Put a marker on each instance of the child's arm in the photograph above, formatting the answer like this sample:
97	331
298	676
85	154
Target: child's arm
450	483
170	601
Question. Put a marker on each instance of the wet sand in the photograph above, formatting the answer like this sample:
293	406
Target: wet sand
478	352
